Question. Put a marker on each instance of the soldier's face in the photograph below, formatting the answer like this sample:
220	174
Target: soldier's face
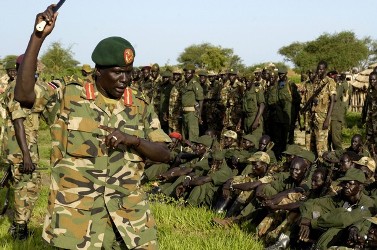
165	79
350	188
177	77
317	180
146	73
321	71
297	170
263	144
373	81
246	144
228	141
111	82
155	73
11	73
202	79
345	163
135	74
356	143
189	74
259	168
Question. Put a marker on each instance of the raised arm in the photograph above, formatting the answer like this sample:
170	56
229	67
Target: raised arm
24	91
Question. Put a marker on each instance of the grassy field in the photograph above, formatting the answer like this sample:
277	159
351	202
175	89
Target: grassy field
178	227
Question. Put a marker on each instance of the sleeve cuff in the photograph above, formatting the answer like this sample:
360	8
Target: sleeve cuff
314	223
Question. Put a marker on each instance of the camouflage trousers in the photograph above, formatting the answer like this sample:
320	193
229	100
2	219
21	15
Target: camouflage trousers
371	133
26	193
243	196
318	136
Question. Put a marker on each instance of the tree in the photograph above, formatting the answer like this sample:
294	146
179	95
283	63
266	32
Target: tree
58	61
341	51
209	56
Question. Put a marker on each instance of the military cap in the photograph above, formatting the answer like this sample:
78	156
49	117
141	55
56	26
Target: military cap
206	140
10	65
372	219
353	174
177	70
292	149
258	70
189	66
113	51
368	162
212	73
86	68
330	157
218	155
260	156
231	134
253	138
308	155
202	72
155	67
282	70
167	73
232	71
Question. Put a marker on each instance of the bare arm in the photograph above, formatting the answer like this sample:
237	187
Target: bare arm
28	166
24	90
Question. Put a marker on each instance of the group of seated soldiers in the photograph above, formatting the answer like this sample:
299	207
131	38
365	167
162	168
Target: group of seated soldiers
300	202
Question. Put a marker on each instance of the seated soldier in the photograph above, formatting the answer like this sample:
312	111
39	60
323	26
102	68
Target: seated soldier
363	234
266	145
320	187
154	169
176	175
368	166
241	187
325	220
202	188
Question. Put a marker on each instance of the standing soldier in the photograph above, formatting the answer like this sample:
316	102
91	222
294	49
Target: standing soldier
156	83
163	109
101	138
146	83
213	102
338	116
279	99
371	115
175	100
21	148
192	103
253	104
307	92
322	103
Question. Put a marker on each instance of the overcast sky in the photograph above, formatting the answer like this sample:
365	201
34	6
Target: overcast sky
161	30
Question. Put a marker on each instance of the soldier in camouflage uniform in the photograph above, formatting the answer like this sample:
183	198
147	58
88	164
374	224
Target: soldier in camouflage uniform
156	83
146	83
100	140
21	148
192	103
165	88
371	117
136	76
321	110
175	100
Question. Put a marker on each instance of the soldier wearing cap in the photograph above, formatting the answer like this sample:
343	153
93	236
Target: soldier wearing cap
206	85
371	115
204	187
98	151
86	70
253	104
368	166
330	215
192	103
279	101
156	84
175	102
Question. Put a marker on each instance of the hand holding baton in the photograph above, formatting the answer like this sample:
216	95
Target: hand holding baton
40	26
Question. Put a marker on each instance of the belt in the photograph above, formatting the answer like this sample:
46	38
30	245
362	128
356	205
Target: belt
188	109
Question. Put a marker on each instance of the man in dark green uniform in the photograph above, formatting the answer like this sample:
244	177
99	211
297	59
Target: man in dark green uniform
164	95
331	214
192	103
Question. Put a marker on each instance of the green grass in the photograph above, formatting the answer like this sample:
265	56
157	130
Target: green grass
178	227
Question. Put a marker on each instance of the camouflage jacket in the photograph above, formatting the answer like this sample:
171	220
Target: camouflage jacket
47	97
90	182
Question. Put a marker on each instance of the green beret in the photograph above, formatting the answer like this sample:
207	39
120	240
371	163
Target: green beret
353	174
308	155
202	72
253	138
206	140
218	155
167	73
292	149
189	66
10	65
113	51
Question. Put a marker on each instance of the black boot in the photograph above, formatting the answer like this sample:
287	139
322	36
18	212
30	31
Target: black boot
19	231
143	179
234	209
221	205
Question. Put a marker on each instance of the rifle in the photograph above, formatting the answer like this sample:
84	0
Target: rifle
4	182
309	103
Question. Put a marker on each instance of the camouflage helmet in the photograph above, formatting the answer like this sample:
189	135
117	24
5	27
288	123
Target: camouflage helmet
368	162
260	156
231	134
